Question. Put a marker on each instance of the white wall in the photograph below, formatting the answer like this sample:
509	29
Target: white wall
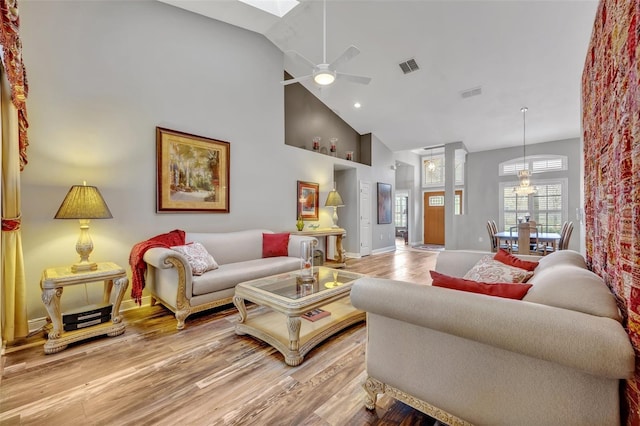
102	76
383	237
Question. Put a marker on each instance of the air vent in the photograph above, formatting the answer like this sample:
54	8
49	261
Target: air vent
409	66
471	92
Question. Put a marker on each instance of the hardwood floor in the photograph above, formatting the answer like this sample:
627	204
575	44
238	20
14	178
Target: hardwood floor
204	374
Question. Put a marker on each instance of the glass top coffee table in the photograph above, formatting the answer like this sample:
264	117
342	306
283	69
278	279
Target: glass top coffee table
285	325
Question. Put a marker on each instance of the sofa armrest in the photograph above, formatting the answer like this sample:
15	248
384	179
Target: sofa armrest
164	258
596	345
294	244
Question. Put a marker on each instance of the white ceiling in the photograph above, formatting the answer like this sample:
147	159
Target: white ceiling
521	53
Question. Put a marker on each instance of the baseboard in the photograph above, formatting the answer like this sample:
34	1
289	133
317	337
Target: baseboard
353	255
384	250
37	324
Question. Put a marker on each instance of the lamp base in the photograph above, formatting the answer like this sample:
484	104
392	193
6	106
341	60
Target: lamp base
84	266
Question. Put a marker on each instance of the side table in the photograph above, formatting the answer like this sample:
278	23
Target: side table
53	282
339	259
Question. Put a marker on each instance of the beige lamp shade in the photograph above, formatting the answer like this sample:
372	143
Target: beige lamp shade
83	202
334	199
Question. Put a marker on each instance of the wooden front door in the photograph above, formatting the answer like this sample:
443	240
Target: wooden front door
433	208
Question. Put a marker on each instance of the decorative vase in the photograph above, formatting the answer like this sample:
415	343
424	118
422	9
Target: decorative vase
333	149
306	261
300	223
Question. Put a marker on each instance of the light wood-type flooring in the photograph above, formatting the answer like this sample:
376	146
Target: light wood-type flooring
205	374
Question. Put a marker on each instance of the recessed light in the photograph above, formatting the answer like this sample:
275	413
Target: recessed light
357	105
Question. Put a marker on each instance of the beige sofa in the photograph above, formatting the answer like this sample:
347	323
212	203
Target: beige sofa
170	281
554	358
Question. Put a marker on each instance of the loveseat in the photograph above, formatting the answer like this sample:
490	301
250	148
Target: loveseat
239	257
556	357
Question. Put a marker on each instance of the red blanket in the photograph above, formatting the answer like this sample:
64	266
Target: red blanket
138	266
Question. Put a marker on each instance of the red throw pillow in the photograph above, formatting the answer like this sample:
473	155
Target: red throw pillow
506	290
274	245
507	258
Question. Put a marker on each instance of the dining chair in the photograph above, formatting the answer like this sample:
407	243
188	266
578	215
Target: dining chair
499	244
563	243
492	237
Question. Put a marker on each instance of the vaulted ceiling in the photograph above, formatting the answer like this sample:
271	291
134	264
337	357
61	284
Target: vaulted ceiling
518	53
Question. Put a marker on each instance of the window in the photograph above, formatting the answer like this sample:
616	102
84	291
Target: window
400	212
433	168
548	206
535	163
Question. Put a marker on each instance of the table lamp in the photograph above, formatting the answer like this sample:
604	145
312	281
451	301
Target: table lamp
83	202
334	200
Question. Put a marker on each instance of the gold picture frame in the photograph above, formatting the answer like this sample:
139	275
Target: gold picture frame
192	173
307	200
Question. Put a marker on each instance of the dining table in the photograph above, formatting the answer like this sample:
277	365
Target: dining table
550	238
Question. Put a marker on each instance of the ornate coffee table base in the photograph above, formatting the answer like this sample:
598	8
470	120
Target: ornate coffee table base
292	336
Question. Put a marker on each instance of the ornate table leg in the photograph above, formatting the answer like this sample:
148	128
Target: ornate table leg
51	300
294	358
242	309
121	285
339	250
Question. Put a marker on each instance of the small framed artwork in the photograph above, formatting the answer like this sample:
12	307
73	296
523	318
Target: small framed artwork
384	203
307	196
193	173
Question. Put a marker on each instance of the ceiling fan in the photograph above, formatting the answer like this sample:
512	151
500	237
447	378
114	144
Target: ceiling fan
325	73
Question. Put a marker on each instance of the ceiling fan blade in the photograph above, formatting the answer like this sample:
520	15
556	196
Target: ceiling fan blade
296	80
346	55
353	78
297	56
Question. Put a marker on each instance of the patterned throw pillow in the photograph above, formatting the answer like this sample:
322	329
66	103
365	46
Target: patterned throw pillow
488	270
198	257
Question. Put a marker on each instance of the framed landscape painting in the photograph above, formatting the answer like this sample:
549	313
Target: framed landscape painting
193	173
307	197
384	203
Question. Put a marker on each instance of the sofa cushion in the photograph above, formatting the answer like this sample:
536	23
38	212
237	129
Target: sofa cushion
571	287
227	276
506	290
198	257
511	260
274	245
488	270
231	247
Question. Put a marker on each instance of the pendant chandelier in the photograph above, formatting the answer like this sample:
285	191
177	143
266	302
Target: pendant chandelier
431	165
524	176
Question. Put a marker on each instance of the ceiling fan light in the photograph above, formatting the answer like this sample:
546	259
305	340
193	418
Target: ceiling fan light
324	77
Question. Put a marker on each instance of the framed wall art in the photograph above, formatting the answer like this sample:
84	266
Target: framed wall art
307	197
193	173
384	203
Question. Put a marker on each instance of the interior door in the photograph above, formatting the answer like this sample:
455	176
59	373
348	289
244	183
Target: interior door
365	218
433	208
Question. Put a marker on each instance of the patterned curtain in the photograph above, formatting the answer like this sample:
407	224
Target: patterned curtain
611	125
13	92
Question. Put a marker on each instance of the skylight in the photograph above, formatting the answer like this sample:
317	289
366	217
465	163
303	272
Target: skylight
274	7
